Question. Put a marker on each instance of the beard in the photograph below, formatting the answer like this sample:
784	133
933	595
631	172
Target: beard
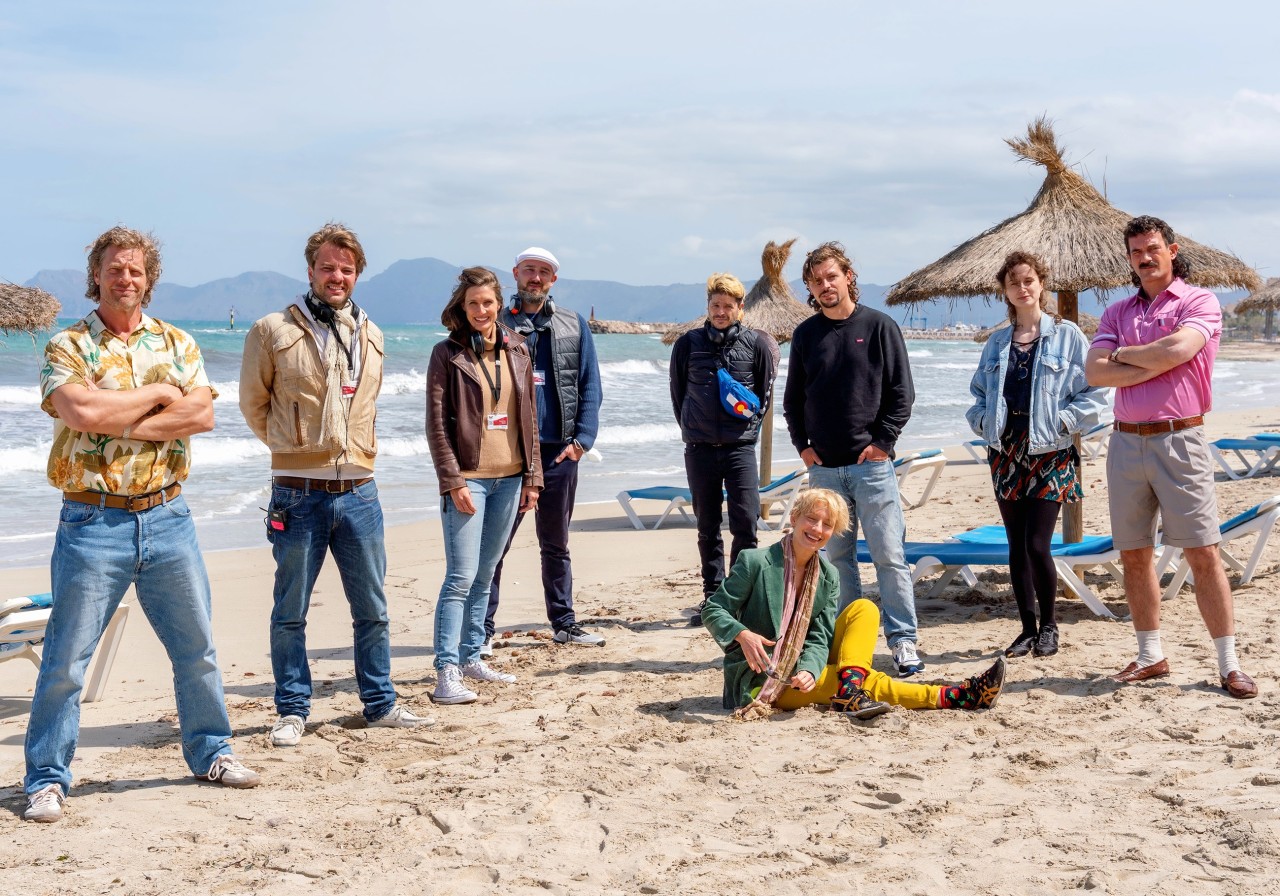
532	297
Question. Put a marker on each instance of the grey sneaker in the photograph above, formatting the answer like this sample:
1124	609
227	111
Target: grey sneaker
450	689
486	649
45	805
227	771
287	731
906	659
401	717
480	672
576	634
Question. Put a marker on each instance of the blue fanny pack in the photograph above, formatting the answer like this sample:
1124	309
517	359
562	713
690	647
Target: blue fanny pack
736	398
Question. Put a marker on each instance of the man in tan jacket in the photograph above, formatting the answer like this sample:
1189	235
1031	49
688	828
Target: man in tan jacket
309	382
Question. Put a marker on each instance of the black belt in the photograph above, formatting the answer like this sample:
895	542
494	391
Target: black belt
330	486
131	503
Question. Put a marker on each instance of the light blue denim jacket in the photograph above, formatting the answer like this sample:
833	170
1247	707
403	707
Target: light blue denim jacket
1062	401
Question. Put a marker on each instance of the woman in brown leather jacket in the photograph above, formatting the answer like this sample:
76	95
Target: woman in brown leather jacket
482	428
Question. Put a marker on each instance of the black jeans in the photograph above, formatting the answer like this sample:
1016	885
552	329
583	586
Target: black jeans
551	519
717	471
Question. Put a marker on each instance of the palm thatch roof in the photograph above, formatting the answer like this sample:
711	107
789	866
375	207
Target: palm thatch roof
1069	225
770	305
1265	299
26	308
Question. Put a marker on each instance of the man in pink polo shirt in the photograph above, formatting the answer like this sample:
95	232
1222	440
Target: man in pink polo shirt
1156	348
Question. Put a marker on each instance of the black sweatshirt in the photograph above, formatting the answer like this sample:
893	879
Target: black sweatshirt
848	386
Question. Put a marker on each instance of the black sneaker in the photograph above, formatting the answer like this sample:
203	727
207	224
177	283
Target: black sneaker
1022	645
1047	643
859	705
983	691
696	619
576	634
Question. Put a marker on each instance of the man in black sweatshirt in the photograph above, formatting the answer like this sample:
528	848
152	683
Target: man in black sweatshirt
848	396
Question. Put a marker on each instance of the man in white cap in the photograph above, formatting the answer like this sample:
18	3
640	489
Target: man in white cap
566	377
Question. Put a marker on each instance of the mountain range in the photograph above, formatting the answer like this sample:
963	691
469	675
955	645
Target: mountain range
413	291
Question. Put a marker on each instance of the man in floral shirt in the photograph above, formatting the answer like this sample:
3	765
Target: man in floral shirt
126	393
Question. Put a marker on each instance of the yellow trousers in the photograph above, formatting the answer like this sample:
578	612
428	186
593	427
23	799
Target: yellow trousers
855	642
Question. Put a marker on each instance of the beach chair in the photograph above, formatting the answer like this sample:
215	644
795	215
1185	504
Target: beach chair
677	498
1258	520
928	462
22	625
977	449
1093	444
1256	456
781	491
956	558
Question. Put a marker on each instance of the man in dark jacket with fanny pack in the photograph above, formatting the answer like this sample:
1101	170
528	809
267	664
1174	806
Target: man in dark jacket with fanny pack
720	446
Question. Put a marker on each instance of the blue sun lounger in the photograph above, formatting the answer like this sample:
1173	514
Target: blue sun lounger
955	558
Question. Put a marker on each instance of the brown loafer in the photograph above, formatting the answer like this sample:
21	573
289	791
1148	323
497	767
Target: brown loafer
1134	672
1239	685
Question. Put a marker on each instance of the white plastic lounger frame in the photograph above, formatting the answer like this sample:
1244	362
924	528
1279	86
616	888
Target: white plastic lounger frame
21	631
1255	455
1259	520
931	462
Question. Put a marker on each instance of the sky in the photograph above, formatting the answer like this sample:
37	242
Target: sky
648	143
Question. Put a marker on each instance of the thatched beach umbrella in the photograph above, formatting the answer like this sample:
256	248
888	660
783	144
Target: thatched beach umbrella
770	306
26	308
1077	233
1265	299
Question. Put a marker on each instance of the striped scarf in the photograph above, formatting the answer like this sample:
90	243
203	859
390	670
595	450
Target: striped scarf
797	609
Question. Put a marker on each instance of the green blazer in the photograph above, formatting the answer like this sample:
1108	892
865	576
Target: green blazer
751	598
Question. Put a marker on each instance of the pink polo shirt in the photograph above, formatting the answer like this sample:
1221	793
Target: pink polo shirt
1185	390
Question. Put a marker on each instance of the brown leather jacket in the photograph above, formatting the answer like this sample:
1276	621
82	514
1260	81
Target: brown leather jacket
455	410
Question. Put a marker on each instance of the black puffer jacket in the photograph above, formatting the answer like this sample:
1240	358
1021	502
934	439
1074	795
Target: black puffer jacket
750	356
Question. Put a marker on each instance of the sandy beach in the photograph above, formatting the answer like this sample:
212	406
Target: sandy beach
614	770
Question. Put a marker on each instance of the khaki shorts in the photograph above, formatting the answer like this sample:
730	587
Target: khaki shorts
1167	477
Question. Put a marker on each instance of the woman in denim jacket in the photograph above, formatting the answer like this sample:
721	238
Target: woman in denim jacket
1030	395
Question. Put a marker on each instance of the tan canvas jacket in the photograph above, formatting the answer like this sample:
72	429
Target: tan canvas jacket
282	388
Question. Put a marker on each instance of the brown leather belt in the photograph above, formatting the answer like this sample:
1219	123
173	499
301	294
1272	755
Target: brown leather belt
330	486
1159	427
131	503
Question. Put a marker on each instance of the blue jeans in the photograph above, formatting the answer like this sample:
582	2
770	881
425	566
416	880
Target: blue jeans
871	489
97	554
473	545
350	527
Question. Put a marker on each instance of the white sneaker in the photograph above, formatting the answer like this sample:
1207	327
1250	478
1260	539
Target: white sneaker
45	805
227	771
287	731
480	672
576	634
450	689
486	649
401	717
906	659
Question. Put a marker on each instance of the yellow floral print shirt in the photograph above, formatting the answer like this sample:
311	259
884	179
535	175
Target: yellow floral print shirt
155	352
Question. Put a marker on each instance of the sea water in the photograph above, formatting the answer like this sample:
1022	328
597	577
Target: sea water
639	442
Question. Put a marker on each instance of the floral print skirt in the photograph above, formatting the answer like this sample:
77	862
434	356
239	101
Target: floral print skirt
1049	477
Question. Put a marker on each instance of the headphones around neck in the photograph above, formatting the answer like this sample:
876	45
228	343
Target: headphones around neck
323	312
477	341
548	307
728	334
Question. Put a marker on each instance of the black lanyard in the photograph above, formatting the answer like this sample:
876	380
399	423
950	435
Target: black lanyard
495	388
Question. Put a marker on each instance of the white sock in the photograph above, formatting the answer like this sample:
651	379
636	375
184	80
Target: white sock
1227	662
1149	650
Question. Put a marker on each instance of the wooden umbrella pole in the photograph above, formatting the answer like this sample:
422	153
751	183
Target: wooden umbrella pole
766	448
1073	512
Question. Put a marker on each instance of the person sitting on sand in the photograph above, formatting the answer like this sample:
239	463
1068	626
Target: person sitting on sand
784	597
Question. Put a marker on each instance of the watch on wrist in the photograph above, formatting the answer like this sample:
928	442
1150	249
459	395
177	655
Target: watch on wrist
1114	358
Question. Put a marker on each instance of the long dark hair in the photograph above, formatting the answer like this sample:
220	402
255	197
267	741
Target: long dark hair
454	316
